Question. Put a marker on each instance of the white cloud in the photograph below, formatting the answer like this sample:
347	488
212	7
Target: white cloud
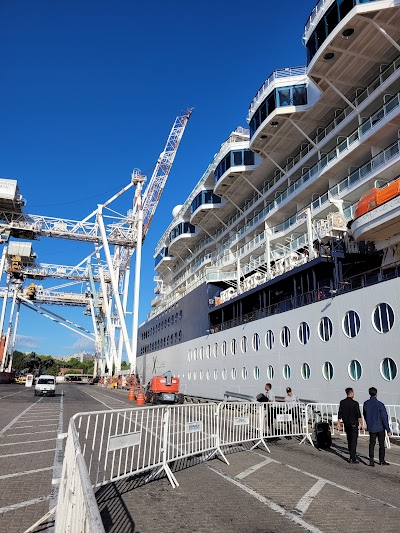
27	342
81	344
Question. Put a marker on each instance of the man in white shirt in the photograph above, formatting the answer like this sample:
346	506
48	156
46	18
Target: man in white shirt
270	396
290	397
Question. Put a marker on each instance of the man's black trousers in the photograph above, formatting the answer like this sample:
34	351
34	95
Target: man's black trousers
381	440
352	436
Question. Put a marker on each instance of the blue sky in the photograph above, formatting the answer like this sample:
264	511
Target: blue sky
89	90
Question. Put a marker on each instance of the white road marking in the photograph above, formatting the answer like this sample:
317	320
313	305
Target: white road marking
26	453
36	426
23	504
37	420
27	442
30	433
254	468
58	456
16	474
13	394
107	396
269	503
97	400
14	420
304	503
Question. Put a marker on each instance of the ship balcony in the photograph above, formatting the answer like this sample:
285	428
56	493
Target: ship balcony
228	171
163	259
202	204
156	301
180	236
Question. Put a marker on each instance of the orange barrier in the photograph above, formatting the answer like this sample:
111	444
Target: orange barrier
131	394
140	398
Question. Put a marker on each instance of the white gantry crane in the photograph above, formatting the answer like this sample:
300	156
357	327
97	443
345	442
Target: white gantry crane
108	277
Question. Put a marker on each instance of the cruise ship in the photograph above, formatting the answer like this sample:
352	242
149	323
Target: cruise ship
283	264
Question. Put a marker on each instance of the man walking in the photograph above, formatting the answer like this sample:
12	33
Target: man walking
377	420
349	413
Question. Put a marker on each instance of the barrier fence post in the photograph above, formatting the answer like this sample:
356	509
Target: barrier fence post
260	426
307	436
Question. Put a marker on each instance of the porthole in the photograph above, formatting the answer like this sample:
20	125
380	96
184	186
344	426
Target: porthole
303	333
233	346
189	355
189	375
388	369
195	354
269	339
351	324
305	371
270	372
208	374
215	351
244	373
256	342
194	375
383	318
233	373
223	373
325	329
285	336
223	348
286	372
327	370
355	369
202	352
208	351
243	344
180	336
180	315
201	375
215	374
256	373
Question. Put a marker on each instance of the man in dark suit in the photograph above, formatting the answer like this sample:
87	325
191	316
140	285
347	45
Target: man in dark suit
377	420
349	413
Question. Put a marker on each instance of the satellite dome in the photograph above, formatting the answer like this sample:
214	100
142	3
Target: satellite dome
176	210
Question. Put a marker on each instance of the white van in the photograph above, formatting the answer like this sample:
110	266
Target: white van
45	385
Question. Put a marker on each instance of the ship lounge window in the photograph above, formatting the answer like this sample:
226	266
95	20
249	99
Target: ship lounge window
223	348
243	344
383	318
208	351
233	346
325	329
244	373
303	333
351	324
327	370
233	373
180	229
256	373
270	372
223	373
195	354
285	336
236	158
336	13
204	197
388	369
269	339
355	369
256	342
305	371
286	372
215	351
202	352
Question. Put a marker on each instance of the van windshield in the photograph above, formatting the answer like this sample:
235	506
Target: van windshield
46	381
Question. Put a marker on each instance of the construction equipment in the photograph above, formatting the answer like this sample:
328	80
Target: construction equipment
31	291
164	389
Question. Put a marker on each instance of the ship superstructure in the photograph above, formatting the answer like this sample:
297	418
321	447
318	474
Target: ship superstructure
259	276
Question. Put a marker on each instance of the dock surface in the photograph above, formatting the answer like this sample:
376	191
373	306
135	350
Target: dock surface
293	488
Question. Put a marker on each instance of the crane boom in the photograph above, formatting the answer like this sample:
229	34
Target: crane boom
153	191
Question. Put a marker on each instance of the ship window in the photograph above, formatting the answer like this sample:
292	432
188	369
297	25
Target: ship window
345	6
303	333
215	349
305	371
256	373
325	329
223	373
215	374
201	374
194	375
233	346
244	373
327	370
202	352
195	354
248	157
243	344
285	336
180	315
237	158
208	374
223	348
383	318
234	373
256	342
208	351
355	369
189	375
284	97
351	324
388	369
332	18
270	372
180	336
286	372
269	339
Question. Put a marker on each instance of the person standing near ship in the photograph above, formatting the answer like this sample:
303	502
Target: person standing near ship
377	420
349	413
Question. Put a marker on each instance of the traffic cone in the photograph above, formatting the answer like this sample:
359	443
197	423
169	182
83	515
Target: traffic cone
139	399
131	394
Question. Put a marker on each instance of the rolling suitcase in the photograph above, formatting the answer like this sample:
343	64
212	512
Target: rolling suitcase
323	435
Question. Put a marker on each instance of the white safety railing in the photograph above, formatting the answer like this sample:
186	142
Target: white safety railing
77	508
240	422
285	419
